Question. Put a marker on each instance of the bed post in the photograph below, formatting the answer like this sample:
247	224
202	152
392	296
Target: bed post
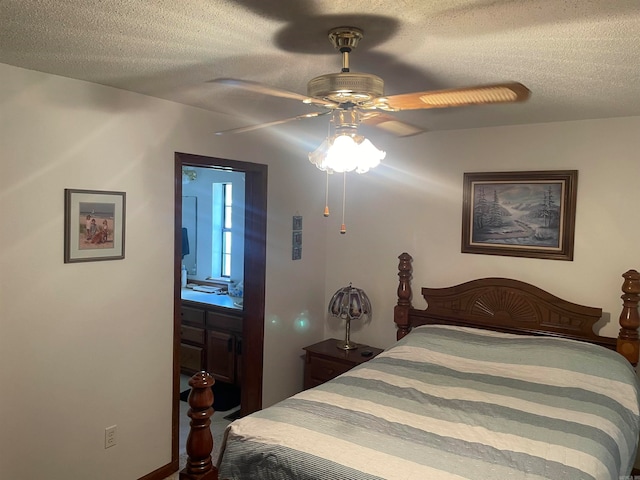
629	318
401	310
200	440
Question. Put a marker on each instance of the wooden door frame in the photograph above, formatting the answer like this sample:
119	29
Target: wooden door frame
255	246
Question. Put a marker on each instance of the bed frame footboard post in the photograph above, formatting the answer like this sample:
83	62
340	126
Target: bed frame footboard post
200	440
628	343
401	310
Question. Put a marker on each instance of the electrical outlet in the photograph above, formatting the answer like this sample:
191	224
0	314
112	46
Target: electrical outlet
110	436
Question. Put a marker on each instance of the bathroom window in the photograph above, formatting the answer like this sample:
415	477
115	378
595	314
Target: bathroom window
227	206
226	213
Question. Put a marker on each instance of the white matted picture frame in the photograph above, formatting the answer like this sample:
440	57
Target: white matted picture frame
94	225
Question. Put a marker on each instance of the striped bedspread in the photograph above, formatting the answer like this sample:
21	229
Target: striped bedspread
451	403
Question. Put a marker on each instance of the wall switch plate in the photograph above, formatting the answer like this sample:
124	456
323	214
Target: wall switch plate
110	436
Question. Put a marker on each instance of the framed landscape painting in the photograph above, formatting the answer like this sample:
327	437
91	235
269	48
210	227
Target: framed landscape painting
520	214
94	223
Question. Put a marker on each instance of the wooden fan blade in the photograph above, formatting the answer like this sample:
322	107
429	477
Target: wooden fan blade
250	128
273	91
391	124
458	97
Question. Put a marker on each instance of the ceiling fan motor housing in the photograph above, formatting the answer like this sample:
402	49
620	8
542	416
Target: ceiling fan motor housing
346	87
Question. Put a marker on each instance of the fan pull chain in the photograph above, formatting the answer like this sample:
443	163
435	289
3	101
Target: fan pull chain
343	228
326	194
326	197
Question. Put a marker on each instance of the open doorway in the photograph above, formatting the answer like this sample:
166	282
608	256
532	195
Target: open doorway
253	279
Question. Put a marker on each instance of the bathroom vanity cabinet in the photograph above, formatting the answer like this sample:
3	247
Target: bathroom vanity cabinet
211	340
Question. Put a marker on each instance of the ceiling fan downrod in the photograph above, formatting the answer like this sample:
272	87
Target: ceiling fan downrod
345	39
346	87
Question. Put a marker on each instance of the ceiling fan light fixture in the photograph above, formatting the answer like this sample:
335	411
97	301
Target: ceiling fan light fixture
342	152
346	152
342	155
369	156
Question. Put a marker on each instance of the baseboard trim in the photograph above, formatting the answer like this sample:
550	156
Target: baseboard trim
162	472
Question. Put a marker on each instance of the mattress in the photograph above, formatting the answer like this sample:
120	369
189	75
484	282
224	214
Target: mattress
451	403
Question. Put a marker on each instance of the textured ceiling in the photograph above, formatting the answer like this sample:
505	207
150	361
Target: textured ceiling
580	59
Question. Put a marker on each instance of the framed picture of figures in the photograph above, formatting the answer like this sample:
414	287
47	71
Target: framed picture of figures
94	225
520	214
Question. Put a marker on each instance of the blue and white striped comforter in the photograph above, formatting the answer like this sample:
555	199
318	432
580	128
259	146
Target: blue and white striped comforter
452	403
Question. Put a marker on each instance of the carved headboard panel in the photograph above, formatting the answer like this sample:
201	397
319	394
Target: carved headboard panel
507	305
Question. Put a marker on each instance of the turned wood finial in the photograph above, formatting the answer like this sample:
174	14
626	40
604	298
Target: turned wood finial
401	310
200	440
628	343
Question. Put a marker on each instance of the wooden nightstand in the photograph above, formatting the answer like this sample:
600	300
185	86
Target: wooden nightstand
325	361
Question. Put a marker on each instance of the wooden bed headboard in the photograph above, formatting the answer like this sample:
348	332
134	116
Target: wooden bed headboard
512	306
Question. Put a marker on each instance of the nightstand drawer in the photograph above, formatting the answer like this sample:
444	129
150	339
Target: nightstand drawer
322	369
325	361
192	334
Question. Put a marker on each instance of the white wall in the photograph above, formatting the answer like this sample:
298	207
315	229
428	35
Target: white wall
413	203
295	301
88	345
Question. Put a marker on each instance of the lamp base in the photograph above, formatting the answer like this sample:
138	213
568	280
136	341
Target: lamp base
346	345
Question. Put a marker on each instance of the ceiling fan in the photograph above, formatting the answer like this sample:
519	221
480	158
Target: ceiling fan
353	98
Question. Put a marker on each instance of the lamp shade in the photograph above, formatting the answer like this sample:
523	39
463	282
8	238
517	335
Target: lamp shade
349	303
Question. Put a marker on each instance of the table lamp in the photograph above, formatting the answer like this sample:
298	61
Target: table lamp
349	303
